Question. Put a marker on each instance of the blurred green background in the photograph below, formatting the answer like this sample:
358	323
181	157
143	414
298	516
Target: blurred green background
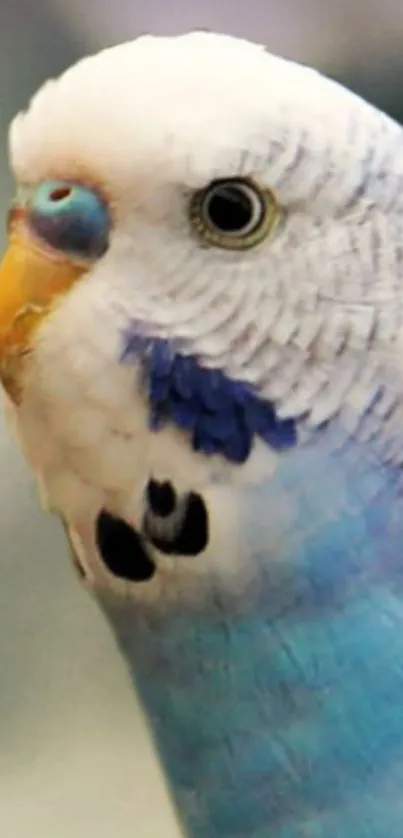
74	756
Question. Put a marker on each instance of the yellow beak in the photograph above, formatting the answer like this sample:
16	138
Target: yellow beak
32	279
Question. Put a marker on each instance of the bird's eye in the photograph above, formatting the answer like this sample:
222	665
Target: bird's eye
234	213
69	217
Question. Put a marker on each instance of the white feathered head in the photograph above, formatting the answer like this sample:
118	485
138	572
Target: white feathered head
200	191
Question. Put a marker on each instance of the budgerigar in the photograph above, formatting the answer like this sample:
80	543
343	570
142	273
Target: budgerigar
201	339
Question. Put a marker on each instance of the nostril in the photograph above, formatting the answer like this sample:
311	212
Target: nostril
69	218
60	193
122	549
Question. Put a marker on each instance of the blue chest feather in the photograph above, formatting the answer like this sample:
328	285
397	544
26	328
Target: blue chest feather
221	416
279	714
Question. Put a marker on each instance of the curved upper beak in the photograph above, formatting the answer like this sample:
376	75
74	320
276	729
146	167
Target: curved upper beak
32	279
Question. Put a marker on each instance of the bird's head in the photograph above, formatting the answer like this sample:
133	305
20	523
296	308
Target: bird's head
195	189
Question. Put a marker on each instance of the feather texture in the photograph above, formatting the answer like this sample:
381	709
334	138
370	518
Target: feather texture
271	663
275	701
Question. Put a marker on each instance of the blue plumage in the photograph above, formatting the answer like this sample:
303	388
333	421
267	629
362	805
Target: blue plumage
262	204
278	707
220	415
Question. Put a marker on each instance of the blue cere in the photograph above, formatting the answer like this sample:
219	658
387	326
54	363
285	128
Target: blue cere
220	415
69	217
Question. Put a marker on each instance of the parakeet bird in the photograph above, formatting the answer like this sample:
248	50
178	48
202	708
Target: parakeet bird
201	339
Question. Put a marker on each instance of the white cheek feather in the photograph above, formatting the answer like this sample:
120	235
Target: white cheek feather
100	435
182	580
310	317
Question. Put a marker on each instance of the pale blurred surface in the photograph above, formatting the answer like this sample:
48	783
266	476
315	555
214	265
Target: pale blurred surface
74	755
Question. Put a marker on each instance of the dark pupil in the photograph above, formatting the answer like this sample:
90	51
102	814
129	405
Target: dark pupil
229	209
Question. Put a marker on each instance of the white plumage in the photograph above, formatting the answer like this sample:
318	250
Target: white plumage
310	316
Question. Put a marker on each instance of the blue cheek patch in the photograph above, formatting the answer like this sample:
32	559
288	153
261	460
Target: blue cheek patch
220	415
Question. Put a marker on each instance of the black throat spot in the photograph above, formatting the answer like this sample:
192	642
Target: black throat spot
122	549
